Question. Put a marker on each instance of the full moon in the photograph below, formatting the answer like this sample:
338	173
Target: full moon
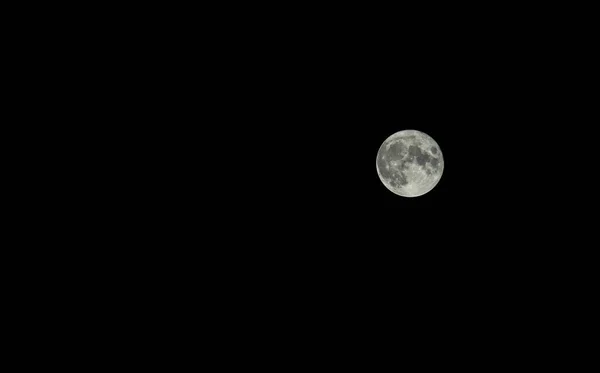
410	163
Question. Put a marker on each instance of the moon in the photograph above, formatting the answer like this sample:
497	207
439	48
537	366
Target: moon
410	163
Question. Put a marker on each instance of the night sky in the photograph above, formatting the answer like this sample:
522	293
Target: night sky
218	168
300	108
310	106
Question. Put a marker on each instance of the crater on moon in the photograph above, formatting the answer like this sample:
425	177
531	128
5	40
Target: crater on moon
410	163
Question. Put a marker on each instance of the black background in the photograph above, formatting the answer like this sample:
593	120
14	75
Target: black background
215	169
305	106
302	103
247	141
282	115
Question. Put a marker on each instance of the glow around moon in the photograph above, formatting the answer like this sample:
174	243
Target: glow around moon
410	163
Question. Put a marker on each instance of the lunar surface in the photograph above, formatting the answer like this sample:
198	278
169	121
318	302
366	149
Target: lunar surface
410	163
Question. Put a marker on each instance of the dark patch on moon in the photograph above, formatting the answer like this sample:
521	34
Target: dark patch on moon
398	179
403	180
423	159
414	150
416	153
434	162
397	149
434	150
